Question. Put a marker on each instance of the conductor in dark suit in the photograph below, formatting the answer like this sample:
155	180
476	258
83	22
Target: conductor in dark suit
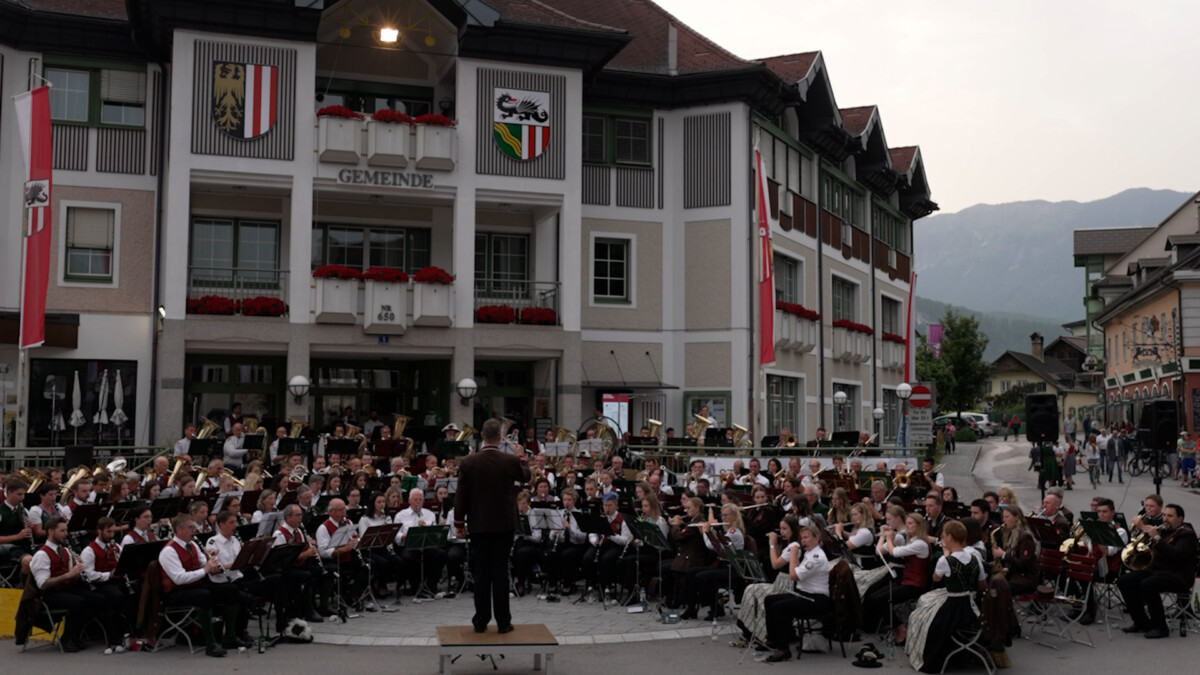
486	500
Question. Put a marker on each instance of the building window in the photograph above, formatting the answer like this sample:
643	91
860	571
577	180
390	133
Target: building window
845	417
891	416
845	299
891	229
364	247
889	310
98	96
610	270
91	244
369	97
789	280
221	246
612	139
783	404
842	201
501	264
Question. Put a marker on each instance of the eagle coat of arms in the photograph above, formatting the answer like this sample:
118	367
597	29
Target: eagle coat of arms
521	122
245	98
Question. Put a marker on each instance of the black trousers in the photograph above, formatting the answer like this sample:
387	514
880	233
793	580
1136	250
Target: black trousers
75	599
489	566
523	555
456	558
206	597
878	603
601	567
386	567
567	562
111	605
783	608
293	598
1141	593
435	560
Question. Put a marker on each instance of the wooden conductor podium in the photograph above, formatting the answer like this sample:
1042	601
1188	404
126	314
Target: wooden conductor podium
527	638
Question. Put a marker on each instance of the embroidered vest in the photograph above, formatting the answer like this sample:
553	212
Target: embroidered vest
106	556
189	558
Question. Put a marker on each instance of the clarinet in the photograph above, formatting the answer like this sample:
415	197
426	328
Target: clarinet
24	514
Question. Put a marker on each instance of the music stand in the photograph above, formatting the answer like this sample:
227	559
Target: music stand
342	446
1101	533
650	535
84	518
205	447
447	449
590	523
1044	531
185	503
295	446
281	557
420	539
250	501
270	522
377	536
123	512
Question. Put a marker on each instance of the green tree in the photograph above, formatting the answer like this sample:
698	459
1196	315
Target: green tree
960	372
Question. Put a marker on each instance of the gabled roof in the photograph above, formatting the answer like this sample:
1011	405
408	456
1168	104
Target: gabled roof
536	12
792	68
1109	240
1078	343
902	158
1051	369
857	121
649	26
99	9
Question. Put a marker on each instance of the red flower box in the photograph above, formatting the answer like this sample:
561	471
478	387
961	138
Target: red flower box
495	314
434	120
389	275
211	304
339	111
892	337
539	316
856	327
391	116
263	306
798	310
433	275
336	272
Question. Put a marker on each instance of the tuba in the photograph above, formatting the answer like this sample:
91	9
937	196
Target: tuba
80	473
741	440
181	465
354	433
207	428
36	479
655	427
399	422
297	428
252	426
699	424
467	432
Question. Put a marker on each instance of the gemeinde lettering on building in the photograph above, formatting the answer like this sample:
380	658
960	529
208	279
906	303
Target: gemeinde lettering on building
422	181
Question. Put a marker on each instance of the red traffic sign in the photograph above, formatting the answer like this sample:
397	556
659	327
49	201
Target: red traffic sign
921	396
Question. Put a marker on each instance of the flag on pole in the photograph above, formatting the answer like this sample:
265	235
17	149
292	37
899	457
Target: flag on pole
766	275
908	329
33	125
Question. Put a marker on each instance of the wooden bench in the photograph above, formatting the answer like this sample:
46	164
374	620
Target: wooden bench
532	638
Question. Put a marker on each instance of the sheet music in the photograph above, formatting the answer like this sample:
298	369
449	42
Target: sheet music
270	523
545	519
342	536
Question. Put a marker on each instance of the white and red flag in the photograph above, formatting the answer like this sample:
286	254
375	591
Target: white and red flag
766	275
33	125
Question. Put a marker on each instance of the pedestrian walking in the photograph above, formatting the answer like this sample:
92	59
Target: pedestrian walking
1112	456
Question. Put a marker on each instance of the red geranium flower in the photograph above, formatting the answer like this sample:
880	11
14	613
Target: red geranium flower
892	337
434	120
495	314
388	275
391	116
339	111
263	306
798	310
539	316
433	275
336	272
211	304
856	327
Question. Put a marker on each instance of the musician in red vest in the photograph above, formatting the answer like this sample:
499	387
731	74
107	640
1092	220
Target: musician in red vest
185	571
141	532
57	576
99	560
606	550
300	576
341	559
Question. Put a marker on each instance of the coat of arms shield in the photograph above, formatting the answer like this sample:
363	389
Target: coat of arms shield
245	98
521	122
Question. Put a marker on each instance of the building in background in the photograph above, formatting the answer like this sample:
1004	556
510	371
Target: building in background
592	201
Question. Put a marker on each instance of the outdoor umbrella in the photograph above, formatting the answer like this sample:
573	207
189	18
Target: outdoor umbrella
118	416
77	418
101	416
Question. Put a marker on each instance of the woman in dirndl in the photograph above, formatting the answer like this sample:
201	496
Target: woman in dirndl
940	614
752	617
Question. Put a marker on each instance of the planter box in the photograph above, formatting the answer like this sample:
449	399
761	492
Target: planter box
785	330
385	308
433	305
841	344
387	144
807	335
338	140
893	355
336	300
435	147
863	347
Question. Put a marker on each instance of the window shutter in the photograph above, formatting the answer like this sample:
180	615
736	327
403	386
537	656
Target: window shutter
123	86
793	164
90	228
781	156
593	139
633	141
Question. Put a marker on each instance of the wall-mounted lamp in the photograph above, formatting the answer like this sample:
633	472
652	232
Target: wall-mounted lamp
298	387
467	390
162	312
389	35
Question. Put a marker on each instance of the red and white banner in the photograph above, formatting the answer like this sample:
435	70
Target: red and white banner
33	126
261	104
766	274
908	328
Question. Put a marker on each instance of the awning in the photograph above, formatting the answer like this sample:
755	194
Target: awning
631	386
62	330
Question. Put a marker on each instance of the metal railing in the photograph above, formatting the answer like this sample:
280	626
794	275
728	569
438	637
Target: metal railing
237	284
138	456
518	295
676	458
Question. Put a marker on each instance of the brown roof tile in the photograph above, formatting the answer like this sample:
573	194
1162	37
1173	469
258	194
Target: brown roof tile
100	9
534	11
648	24
902	158
855	120
791	68
1109	240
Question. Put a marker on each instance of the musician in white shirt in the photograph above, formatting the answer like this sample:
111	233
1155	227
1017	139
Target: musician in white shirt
754	476
600	561
280	433
811	599
435	558
56	574
185	569
184	445
234	450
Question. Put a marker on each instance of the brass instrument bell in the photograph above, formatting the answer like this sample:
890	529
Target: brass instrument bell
80	473
699	424
207	428
297	428
399	422
181	465
467	432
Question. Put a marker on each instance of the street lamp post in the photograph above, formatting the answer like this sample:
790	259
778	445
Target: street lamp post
878	415
839	400
903	392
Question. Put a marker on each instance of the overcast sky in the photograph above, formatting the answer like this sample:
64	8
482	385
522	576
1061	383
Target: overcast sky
1013	100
